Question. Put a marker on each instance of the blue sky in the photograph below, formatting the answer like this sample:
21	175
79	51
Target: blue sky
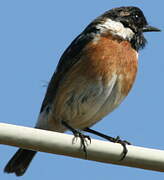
33	36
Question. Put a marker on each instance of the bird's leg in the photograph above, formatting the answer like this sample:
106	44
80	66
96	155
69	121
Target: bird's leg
109	138
77	133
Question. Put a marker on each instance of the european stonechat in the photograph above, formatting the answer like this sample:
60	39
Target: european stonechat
93	76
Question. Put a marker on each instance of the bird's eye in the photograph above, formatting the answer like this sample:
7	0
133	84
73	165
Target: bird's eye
136	17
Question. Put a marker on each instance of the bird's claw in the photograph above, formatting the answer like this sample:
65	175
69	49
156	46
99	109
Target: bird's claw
123	143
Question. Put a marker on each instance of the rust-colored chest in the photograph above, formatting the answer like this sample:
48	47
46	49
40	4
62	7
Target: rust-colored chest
97	83
106	56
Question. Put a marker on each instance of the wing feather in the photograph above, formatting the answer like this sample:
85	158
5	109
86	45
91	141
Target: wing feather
70	57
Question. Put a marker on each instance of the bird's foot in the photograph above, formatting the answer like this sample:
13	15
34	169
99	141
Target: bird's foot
83	139
123	143
78	134
111	139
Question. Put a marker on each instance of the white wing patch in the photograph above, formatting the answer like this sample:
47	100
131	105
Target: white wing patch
42	122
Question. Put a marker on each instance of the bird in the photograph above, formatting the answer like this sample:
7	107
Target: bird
93	76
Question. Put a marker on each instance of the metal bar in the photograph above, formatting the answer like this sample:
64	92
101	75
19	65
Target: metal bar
64	144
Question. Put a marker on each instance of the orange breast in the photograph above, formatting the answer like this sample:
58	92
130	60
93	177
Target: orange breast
96	84
107	56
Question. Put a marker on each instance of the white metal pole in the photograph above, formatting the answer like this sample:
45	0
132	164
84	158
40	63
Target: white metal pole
59	143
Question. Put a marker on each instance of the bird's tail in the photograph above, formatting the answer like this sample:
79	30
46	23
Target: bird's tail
19	163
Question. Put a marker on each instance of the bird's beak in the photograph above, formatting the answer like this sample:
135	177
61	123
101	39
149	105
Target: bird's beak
148	28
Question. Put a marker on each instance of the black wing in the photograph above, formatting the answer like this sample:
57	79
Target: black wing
70	57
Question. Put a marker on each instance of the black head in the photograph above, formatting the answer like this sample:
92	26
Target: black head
132	18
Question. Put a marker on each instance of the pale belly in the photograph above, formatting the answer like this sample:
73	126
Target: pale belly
83	104
93	87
